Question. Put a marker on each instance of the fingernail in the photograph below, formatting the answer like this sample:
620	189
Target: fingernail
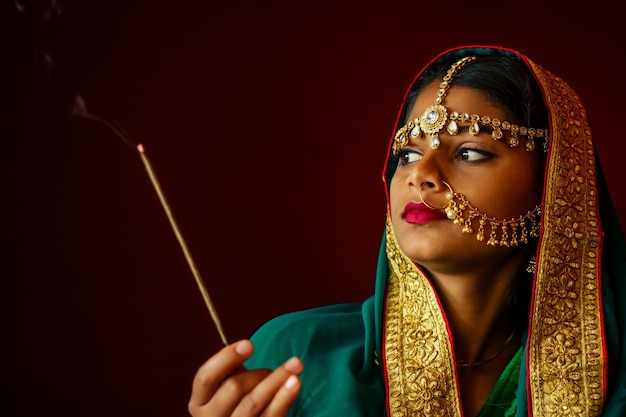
293	365
291	382
244	348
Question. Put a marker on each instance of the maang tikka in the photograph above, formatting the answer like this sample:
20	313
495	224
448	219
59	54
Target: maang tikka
435	118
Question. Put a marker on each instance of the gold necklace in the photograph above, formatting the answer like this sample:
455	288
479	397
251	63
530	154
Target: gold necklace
463	364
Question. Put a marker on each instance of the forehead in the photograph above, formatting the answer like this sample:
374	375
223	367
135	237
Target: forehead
458	99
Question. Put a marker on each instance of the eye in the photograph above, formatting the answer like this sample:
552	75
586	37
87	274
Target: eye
408	156
473	155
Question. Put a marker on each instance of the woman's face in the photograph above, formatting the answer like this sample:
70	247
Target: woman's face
500	181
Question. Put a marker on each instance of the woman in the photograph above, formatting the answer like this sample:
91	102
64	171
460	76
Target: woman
498	277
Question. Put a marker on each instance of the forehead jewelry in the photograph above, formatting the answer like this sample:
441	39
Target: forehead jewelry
436	117
501	232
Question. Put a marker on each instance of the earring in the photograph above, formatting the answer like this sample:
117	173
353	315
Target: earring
532	265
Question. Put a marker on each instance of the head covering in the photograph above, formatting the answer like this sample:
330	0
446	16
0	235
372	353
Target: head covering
574	352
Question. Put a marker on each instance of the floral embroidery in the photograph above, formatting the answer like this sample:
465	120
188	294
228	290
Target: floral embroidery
418	353
565	348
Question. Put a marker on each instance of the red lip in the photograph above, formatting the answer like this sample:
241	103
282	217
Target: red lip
418	213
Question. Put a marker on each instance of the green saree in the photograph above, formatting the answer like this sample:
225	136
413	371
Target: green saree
573	356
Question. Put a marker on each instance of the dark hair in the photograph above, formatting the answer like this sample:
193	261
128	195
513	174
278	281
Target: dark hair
505	79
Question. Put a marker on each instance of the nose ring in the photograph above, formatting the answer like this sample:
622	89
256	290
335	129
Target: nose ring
449	196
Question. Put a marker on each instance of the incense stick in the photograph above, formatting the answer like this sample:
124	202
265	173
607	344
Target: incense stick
181	241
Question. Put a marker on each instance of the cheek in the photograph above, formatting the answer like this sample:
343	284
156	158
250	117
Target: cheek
513	197
394	196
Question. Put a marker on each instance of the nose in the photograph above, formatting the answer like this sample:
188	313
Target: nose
427	171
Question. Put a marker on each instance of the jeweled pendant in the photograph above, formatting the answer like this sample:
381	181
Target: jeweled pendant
497	133
415	132
435	142
453	128
430	116
474	129
434	118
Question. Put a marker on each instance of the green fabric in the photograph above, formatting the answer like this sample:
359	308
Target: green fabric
338	343
343	378
502	399
340	376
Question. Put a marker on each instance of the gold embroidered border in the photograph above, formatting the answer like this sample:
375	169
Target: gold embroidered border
418	352
566	348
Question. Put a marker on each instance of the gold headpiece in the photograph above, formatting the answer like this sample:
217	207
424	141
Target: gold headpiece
435	118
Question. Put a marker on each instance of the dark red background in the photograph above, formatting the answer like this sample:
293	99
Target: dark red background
267	124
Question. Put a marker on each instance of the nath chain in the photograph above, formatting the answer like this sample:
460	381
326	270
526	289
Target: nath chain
511	232
501	232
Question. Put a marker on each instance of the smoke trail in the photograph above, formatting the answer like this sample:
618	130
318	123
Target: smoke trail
79	110
49	9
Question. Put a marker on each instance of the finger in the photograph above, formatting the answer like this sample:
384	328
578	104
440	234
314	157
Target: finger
232	391
267	391
284	398
211	374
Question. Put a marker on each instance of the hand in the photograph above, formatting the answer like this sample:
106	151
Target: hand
223	387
